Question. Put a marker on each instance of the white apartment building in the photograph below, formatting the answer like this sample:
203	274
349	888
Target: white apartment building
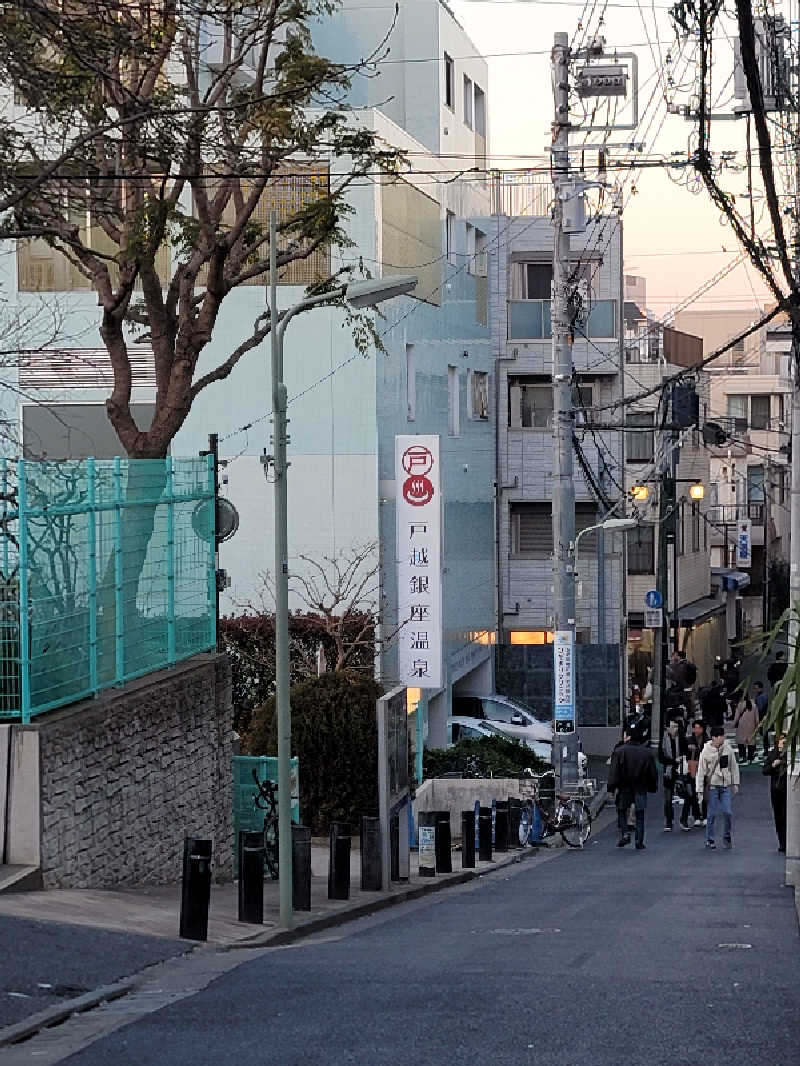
750	401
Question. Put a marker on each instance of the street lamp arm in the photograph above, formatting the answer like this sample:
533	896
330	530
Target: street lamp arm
306	304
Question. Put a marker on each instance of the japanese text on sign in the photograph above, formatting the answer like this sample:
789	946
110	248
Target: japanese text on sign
419	581
564	665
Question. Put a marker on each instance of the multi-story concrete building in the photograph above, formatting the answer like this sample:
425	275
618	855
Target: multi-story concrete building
520	278
345	408
653	354
750	389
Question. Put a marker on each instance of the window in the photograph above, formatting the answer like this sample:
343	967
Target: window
582	400
481	259
695	526
781	486
450	236
781	413
467	101
411	383
74	430
532	528
759	412
531	281
453	425
480	111
478	395
737	410
530	402
470	249
755	484
449	81
642	550
640	445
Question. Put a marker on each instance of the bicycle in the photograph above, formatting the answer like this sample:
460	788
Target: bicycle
569	816
266	799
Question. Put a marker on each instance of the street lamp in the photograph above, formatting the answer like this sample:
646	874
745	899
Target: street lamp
697	491
360	295
610	525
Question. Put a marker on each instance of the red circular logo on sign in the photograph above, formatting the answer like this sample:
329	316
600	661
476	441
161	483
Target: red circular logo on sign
417	490
417	460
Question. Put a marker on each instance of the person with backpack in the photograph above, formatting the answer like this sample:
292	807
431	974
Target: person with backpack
718	775
775	770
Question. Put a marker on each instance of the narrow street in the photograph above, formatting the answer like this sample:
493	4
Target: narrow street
600	958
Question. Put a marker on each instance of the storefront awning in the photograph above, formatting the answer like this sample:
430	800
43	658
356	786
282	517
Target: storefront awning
729	580
692	613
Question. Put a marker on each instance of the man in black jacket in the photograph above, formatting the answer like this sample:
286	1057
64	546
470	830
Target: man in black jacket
632	774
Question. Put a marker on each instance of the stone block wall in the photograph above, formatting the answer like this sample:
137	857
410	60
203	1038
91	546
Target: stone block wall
126	776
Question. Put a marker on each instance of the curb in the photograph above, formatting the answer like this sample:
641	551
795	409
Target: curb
60	1012
363	910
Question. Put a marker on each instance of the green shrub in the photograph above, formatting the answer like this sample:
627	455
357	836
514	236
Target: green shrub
487	757
335	737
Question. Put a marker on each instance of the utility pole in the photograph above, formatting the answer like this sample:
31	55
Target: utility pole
793	791
667	502
279	466
565	739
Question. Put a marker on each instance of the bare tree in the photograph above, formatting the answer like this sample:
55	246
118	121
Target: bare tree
154	138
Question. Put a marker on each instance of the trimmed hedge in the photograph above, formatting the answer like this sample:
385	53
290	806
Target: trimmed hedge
487	757
335	737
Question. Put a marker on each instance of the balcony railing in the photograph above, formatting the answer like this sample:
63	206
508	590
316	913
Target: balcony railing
728	514
530	320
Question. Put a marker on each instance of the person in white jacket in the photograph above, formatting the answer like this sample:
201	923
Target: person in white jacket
718	773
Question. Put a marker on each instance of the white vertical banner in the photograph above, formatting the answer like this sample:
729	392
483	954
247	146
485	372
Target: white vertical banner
744	547
564	668
419	560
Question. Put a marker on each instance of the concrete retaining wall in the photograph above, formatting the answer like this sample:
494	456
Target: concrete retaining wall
455	795
125	776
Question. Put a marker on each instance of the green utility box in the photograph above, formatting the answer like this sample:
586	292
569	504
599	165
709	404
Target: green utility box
246	815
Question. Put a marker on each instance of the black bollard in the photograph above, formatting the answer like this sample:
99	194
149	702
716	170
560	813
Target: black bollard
196	888
444	843
301	868
394	848
514	819
251	877
485	834
427	843
501	826
468	840
339	862
370	854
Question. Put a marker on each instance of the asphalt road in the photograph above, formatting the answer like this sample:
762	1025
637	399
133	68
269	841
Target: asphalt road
607	957
42	963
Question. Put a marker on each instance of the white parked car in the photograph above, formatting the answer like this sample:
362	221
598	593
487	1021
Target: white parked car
464	728
514	721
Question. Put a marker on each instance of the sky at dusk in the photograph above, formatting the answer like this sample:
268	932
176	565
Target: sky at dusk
672	235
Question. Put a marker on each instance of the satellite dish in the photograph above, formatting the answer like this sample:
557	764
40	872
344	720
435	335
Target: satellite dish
227	520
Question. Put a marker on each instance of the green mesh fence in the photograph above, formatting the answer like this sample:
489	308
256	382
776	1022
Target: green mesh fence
112	564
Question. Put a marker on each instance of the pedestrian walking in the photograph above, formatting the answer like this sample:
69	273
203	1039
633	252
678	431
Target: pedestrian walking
695	743
776	670
731	682
761	700
775	769
718	775
713	704
669	755
632	774
746	725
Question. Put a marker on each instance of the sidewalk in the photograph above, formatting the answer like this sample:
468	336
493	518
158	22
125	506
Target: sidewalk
71	943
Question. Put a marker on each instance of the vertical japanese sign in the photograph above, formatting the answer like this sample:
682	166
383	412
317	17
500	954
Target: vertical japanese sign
564	664
744	551
419	569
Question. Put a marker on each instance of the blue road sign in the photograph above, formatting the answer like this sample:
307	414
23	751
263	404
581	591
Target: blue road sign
653	599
